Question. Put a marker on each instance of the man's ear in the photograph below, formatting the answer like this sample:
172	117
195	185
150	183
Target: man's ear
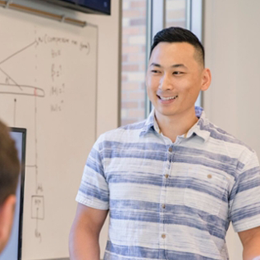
206	79
6	219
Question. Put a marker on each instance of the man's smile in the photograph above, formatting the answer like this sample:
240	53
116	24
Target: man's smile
167	98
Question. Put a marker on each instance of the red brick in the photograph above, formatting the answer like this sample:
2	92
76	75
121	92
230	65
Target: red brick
123	97
138	4
138	22
130	67
130	49
140	57
131	13
123	78
129	104
124	58
143	48
142	104
130	86
127	121
142	66
136	96
131	31
124	41
136	113
133	61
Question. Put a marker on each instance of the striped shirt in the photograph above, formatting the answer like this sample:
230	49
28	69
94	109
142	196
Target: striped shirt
171	200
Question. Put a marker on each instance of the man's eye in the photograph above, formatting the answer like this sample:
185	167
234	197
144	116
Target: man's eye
155	71
177	72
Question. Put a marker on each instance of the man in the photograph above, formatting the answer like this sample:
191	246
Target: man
172	183
9	172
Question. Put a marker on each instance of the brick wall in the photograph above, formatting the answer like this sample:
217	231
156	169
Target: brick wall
133	54
133	61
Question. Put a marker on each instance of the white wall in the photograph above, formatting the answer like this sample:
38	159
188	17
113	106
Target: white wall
232	45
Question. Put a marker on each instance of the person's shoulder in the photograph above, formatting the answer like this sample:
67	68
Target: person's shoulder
123	133
137	126
233	146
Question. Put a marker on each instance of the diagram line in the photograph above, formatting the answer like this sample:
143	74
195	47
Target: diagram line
24	86
21	94
37	210
36	143
27	90
11	79
14	111
1	62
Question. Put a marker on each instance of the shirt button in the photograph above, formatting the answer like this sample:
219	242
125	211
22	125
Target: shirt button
166	176
170	149
209	176
163	206
163	236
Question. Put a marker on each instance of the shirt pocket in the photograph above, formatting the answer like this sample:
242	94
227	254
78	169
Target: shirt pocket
205	191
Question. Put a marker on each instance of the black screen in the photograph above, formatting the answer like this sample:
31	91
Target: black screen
87	6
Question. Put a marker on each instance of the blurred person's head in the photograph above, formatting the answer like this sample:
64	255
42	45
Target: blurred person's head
9	172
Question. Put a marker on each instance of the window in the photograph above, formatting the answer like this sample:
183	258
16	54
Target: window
176	13
186	14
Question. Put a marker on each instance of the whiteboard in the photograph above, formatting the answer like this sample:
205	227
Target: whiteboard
48	81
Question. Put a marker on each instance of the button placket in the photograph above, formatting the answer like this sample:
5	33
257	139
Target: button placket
163	206
166	178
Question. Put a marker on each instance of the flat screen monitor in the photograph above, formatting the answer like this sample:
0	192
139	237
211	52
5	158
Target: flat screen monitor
86	6
13	249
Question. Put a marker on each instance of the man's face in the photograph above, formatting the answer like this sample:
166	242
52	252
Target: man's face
174	79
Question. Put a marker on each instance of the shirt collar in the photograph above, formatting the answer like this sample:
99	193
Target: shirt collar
150	124
200	128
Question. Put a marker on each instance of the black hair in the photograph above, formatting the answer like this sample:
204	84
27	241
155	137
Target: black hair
178	34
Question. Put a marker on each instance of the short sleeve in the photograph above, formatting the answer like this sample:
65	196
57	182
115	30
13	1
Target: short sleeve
245	206
93	191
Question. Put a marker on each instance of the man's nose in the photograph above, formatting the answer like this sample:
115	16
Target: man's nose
165	82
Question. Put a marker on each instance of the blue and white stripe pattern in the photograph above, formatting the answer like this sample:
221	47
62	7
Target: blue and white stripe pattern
171	200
